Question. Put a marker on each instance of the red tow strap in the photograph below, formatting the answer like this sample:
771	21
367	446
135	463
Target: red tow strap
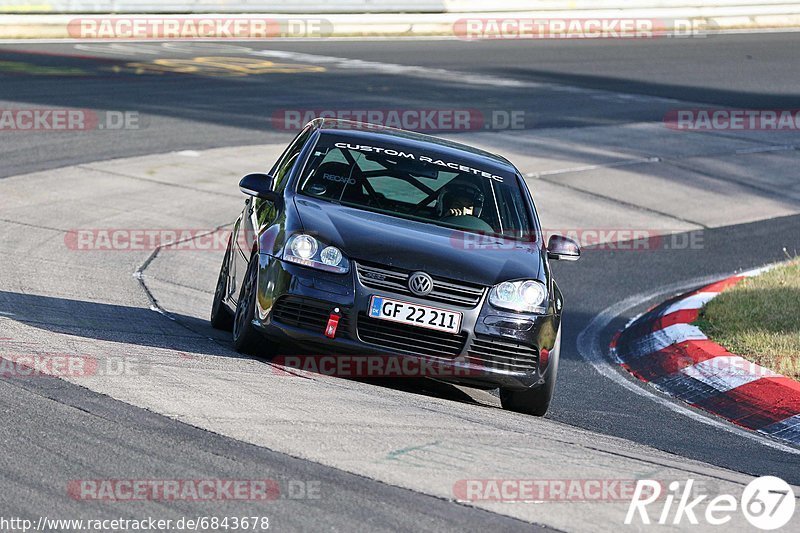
333	323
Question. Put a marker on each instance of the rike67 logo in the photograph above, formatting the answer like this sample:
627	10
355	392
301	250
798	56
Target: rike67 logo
767	503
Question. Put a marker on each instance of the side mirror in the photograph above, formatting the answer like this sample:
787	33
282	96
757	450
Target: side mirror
260	185
563	248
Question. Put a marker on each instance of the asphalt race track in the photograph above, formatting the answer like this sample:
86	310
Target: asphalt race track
386	455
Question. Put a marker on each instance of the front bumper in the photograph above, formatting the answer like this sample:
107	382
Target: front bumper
494	349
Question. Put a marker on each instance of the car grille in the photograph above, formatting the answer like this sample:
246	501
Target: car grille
404	338
501	354
395	280
306	313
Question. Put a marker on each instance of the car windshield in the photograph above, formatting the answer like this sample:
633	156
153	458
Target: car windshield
424	186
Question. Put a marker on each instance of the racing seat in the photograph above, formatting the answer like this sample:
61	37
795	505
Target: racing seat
336	181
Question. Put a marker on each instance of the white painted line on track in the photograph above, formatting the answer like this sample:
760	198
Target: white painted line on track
438	74
762	149
584	168
590	348
451	75
396	68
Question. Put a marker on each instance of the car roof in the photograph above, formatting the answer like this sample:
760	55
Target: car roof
362	132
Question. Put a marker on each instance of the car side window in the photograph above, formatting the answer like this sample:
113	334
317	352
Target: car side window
282	168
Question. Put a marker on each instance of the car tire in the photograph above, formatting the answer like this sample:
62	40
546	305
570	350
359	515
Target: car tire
536	400
246	339
221	316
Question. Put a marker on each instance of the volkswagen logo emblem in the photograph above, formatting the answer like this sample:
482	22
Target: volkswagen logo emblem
420	283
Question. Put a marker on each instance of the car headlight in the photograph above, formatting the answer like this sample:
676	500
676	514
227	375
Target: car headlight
307	251
304	247
525	296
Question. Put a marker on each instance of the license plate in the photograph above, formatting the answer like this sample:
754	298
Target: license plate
414	314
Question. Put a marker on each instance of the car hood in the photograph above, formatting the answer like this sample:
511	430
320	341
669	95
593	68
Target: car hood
410	245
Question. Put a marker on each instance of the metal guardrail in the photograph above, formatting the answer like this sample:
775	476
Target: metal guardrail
349	6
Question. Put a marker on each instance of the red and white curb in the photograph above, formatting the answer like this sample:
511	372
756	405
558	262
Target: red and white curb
664	349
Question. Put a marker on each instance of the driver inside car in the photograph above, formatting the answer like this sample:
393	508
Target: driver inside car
461	206
460	199
461	203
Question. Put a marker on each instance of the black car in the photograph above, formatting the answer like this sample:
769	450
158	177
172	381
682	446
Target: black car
371	240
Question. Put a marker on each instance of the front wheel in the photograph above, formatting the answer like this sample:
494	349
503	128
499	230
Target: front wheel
535	401
246	339
221	317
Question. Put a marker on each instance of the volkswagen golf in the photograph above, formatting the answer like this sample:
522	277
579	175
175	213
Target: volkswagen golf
371	240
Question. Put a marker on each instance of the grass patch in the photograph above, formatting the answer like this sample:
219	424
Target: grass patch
759	319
